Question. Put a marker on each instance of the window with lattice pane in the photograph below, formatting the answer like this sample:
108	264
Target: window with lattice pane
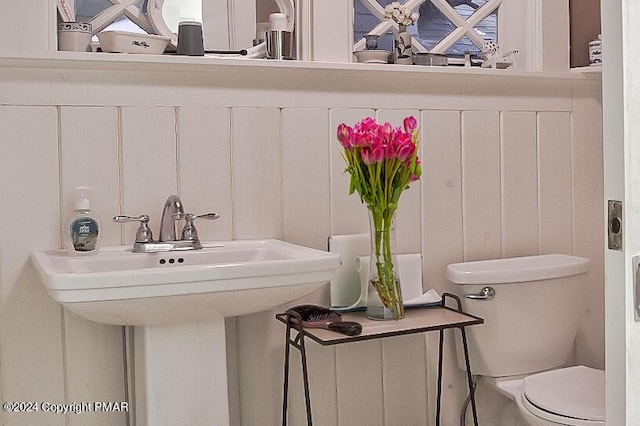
444	26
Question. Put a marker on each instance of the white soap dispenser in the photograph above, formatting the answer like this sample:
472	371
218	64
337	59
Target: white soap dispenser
83	230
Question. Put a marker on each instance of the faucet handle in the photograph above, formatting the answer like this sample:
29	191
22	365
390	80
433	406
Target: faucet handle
191	216
189	232
207	216
143	234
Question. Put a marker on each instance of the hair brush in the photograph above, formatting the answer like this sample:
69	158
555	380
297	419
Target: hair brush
315	316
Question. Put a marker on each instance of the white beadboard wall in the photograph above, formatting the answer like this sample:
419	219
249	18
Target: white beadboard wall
509	169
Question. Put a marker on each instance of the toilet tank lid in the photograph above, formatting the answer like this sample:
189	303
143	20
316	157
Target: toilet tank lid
517	269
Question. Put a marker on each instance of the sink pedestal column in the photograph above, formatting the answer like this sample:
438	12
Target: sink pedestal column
181	374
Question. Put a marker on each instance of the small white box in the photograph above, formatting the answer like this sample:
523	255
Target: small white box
128	42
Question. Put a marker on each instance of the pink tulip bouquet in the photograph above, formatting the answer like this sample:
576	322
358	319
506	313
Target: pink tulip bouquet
382	162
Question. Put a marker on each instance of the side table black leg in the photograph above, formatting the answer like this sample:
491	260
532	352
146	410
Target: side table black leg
298	343
439	391
305	380
285	390
469	378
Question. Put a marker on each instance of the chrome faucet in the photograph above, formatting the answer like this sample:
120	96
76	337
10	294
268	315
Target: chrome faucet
168	241
171	212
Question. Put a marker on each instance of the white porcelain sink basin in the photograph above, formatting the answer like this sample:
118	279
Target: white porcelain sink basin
177	302
223	279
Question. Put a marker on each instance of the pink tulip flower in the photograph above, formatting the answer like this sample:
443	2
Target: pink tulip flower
365	154
367	143
344	135
390	151
386	130
406	151
410	124
378	154
368	124
382	162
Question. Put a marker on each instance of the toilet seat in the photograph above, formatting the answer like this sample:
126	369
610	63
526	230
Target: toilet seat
570	396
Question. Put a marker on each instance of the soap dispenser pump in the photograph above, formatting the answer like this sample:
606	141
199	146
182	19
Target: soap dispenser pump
83	231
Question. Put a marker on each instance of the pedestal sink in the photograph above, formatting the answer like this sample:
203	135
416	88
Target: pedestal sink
177	302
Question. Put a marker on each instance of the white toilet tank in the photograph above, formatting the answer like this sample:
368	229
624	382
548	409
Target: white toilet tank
532	320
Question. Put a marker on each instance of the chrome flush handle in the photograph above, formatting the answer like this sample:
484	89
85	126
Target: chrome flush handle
486	293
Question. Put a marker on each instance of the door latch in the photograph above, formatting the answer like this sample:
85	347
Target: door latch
614	225
635	261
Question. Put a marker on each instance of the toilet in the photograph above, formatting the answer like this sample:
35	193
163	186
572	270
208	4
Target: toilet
531	307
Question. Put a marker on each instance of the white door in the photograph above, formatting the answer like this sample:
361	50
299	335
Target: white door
621	126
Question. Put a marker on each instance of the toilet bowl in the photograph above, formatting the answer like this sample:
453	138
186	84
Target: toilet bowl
568	396
531	306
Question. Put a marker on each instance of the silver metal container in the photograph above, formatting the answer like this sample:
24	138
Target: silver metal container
280	45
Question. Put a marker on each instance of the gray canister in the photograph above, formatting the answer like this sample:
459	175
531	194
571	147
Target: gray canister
190	40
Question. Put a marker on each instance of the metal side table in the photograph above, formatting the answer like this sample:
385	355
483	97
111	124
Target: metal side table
416	320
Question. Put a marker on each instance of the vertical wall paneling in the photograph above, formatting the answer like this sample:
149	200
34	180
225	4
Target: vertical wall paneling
554	182
307	216
31	367
519	184
348	215
589	220
256	152
408	225
481	184
256	172
403	359
204	168
89	156
305	185
95	368
442	237
148	163
233	367
261	360
404	380
321	364
359	384
204	177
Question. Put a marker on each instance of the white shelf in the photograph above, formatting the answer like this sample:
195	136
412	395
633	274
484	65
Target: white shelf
588	72
231	65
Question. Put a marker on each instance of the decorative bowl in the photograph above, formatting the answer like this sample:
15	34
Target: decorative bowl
373	56
128	42
431	59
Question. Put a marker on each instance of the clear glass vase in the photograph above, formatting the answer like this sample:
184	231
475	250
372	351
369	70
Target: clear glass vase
384	298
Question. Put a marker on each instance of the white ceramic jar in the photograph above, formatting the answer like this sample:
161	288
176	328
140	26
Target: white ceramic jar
74	36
